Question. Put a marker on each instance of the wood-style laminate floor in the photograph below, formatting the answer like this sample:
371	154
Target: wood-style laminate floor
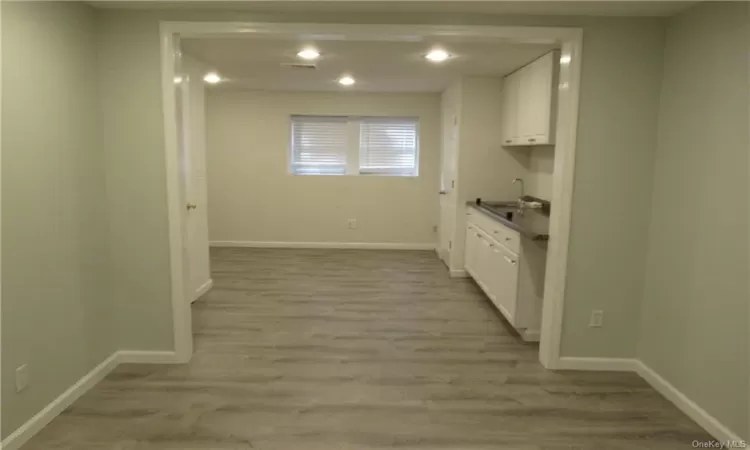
346	349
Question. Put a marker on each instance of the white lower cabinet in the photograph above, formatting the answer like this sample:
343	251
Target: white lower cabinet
497	270
472	249
504	272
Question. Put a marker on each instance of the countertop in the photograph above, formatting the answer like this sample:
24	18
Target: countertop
532	223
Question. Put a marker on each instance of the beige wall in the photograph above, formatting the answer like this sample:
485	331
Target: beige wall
694	326
617	134
252	196
56	313
541	167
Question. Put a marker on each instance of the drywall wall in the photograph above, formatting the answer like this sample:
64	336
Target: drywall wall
541	167
56	312
621	78
132	136
485	168
694	326
254	198
619	103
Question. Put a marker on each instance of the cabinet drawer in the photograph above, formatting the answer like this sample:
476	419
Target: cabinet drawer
494	229
511	239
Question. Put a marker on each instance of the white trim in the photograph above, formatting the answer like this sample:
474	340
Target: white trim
181	312
459	273
691	409
203	289
530	335
40	420
32	426
331	245
598	364
562	198
708	422
571	41
1	140
370	32
148	357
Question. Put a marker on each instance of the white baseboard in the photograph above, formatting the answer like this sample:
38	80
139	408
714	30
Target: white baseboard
708	422
691	409
601	364
530	335
148	357
459	274
34	425
203	289
19	437
329	245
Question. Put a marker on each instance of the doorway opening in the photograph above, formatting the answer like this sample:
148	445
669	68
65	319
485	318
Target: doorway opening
182	189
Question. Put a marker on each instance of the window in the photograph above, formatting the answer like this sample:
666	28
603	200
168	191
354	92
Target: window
319	145
388	146
330	145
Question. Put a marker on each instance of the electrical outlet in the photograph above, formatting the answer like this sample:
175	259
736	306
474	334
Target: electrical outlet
352	224
597	318
22	377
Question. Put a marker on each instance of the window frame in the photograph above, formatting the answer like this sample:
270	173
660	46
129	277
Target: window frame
354	148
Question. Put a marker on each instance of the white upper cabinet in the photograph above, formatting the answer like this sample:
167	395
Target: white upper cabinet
530	103
510	109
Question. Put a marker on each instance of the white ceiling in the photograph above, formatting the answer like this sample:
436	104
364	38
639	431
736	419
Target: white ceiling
526	7
254	63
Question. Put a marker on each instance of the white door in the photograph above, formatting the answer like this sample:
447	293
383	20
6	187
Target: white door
448	182
194	160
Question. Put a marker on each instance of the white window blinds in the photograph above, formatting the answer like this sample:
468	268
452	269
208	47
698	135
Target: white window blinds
319	145
330	145
388	146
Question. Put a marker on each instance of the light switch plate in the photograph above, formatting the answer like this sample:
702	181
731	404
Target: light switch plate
597	318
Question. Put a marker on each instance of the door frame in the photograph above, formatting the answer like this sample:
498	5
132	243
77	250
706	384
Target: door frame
571	44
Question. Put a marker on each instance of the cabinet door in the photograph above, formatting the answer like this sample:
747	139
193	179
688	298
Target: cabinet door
510	109
504	285
485	271
540	97
525	108
471	252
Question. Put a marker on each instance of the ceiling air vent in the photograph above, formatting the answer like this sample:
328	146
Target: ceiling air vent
299	66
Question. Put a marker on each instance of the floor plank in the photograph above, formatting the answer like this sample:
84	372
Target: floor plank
348	349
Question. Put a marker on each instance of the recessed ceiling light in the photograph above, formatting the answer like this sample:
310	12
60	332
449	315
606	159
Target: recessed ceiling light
212	78
437	55
565	59
346	80
309	54
177	79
